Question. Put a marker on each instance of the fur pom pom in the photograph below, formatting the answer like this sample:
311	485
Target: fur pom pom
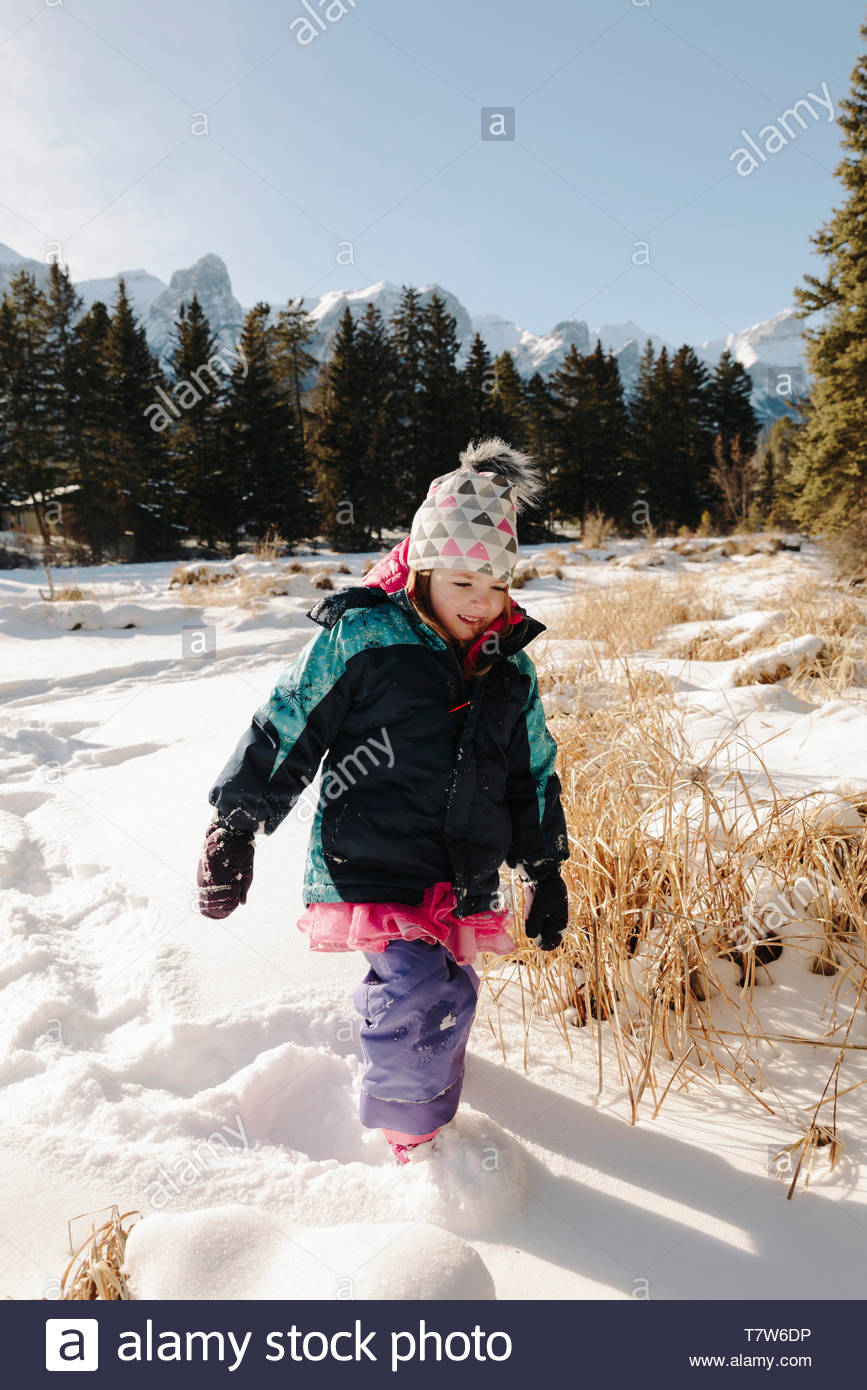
518	469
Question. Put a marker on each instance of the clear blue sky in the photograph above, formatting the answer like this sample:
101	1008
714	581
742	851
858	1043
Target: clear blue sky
626	115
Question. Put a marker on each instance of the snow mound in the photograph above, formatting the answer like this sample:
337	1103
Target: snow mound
238	1251
470	1177
88	616
776	663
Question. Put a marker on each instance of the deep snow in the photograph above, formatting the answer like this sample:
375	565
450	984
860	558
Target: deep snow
206	1072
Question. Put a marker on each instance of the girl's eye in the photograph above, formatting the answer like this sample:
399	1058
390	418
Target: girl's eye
465	584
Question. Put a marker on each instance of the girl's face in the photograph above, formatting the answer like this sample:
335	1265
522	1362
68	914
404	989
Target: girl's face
465	603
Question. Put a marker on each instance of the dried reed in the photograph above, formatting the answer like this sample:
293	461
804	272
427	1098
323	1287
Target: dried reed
96	1268
686	881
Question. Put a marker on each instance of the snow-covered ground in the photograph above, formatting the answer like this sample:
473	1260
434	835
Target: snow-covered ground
206	1073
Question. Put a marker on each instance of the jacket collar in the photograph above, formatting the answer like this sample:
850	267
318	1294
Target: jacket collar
331	607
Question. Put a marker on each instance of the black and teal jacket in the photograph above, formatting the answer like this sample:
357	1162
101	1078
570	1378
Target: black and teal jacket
427	778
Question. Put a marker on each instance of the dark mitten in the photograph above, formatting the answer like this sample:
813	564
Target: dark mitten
225	871
549	914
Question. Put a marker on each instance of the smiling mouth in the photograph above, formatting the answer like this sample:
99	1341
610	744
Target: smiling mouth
471	622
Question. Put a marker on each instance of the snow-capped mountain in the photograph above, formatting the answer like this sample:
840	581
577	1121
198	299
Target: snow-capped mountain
209	281
329	308
11	263
765	349
773	354
8	257
777	343
142	289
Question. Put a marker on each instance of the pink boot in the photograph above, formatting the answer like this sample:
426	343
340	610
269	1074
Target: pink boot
402	1144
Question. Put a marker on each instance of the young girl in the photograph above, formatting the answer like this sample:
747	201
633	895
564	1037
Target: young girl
439	768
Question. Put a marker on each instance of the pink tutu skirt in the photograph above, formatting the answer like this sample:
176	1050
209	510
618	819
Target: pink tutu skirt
370	926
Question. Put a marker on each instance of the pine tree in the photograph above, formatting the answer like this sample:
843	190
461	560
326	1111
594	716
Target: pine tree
646	444
380	466
406	332
830	452
541	444
611	489
296	370
736	427
264	469
140	477
32	461
444	408
567	383
510	416
339	444
689	435
62	305
96	502
480	386
777	492
197	441
732	414
590	424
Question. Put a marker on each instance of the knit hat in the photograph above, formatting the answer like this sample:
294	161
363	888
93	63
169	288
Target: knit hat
468	519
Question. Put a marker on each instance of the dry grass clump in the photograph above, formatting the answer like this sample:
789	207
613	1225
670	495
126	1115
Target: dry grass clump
542	568
199	576
749	545
200	586
258	586
628	617
96	1268
270	546
685	889
597	528
701	548
709	645
816	1136
522	574
837	665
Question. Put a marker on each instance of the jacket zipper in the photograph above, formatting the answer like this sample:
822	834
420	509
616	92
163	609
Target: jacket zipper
451	651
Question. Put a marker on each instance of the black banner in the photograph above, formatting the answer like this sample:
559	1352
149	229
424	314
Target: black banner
528	1344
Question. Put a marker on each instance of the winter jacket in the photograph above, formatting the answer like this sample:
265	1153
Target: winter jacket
427	778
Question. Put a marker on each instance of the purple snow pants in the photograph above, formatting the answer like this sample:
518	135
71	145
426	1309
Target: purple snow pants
417	1006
